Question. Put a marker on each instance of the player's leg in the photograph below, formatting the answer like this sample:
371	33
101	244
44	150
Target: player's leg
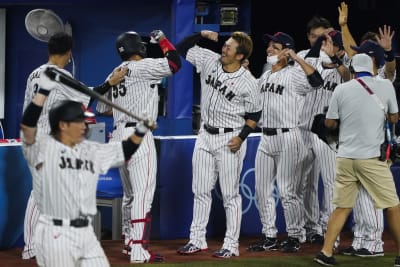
289	182
265	172
31	218
142	169
126	207
230	166
204	179
372	227
309	193
326	158
54	245
127	198
92	253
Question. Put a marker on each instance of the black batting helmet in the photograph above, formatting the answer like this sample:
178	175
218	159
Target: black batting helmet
68	111
130	43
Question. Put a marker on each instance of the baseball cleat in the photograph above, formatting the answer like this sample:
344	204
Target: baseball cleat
291	244
365	253
265	244
224	253
188	249
126	250
316	239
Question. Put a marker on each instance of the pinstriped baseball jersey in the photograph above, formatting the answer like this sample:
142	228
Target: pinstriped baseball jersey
60	92
225	97
65	182
316	101
282	97
138	92
67	178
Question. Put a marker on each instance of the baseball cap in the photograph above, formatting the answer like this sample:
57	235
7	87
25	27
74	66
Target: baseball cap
69	111
280	37
362	63
372	49
337	38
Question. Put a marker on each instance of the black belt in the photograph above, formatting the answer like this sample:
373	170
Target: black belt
128	124
213	130
273	131
80	222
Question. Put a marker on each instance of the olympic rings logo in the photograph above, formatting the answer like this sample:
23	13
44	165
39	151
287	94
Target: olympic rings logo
248	194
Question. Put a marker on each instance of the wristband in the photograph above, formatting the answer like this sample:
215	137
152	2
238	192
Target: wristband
166	45
44	91
336	60
389	55
31	115
245	132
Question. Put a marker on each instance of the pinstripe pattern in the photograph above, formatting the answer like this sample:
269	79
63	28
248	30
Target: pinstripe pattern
283	97
65	188
212	160
138	93
60	92
279	157
321	158
225	98
68	246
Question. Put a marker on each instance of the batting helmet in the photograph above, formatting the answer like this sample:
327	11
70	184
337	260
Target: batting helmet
69	111
130	43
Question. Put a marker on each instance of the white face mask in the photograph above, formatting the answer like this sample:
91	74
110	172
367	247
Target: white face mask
272	60
324	57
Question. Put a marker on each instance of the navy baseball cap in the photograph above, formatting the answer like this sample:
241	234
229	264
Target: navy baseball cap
280	37
372	49
337	38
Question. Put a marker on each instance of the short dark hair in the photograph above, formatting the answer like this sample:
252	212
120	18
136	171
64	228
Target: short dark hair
59	44
316	22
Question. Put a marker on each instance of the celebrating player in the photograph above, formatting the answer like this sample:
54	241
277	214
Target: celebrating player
65	170
281	149
230	109
59	49
138	93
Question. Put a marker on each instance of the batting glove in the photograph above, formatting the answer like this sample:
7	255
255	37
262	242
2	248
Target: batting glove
156	36
45	84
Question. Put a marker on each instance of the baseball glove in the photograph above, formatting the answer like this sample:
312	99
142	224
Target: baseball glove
325	134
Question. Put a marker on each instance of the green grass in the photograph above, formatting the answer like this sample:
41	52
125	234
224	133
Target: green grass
279	261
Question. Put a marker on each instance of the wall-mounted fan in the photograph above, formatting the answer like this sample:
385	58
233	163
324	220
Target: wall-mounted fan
41	24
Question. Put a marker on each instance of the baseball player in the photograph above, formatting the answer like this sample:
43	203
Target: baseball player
59	49
328	54
65	170
281	149
230	109
138	93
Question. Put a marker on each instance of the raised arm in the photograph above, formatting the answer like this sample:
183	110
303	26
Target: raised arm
384	39
348	39
169	50
32	112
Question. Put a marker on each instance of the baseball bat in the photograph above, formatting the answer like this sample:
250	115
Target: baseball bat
58	76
